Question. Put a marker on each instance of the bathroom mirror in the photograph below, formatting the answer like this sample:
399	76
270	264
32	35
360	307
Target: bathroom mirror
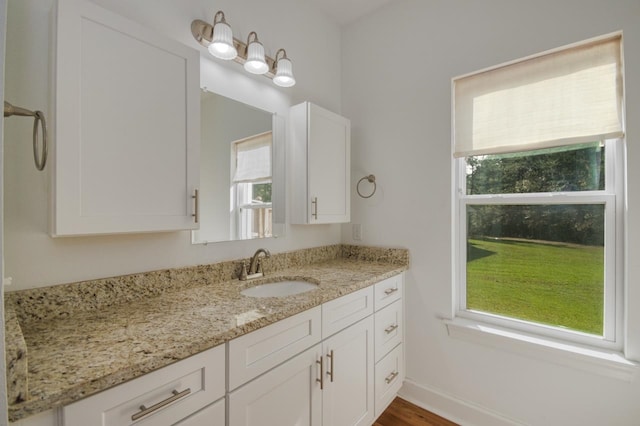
241	171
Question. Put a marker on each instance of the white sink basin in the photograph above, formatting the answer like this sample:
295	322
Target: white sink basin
279	289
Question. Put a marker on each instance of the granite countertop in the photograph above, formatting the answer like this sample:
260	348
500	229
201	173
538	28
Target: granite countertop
77	341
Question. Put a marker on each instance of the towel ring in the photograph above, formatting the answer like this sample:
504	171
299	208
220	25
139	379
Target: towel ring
41	160
370	179
38	118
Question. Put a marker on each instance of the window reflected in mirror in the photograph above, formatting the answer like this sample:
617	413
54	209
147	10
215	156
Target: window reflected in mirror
251	187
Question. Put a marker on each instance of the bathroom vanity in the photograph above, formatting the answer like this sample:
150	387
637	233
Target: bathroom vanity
185	346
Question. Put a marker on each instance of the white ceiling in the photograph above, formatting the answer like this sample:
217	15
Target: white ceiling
346	11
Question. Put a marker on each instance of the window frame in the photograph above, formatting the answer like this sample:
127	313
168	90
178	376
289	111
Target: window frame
242	191
613	199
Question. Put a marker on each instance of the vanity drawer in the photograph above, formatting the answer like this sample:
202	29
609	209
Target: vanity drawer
388	328
340	313
261	350
389	376
213	415
388	291
169	394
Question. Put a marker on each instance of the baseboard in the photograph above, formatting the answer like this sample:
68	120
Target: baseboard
457	410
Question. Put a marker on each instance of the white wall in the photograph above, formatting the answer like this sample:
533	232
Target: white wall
34	259
3	378
397	70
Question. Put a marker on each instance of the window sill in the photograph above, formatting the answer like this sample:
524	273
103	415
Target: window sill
607	363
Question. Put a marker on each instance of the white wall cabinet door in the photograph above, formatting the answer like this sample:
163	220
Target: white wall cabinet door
286	395
321	149
348	398
126	133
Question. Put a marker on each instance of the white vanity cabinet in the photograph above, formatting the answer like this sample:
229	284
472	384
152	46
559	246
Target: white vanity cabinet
164	397
329	384
337	364
126	111
389	341
321	150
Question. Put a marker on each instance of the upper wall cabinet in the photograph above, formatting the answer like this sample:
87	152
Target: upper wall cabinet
127	108
321	149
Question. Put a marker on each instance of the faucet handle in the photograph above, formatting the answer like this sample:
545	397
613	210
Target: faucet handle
243	272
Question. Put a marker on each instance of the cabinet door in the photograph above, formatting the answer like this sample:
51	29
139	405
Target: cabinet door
126	125
321	165
329	166
348	398
287	395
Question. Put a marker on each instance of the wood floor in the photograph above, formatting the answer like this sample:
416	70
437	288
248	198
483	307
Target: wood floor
403	413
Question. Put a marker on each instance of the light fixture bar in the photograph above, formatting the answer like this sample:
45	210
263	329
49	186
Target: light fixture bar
202	31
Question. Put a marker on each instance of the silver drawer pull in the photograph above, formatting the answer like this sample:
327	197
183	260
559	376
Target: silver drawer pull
390	291
391	377
146	411
390	328
314	203
321	379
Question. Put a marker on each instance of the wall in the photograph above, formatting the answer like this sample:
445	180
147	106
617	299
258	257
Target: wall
33	258
3	379
397	92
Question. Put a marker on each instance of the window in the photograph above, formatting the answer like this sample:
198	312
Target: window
539	190
251	187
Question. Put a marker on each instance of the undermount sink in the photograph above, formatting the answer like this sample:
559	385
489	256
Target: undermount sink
279	289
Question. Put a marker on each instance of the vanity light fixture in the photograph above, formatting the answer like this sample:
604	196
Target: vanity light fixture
255	64
219	40
221	45
283	70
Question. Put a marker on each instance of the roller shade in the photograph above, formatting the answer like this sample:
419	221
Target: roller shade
253	158
561	98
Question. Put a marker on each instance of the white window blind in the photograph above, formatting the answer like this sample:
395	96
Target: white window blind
561	98
253	158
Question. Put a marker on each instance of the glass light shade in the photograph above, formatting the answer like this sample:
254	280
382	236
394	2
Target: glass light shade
256	63
284	73
221	45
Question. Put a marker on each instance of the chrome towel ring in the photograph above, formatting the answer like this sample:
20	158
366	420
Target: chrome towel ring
38	118
370	179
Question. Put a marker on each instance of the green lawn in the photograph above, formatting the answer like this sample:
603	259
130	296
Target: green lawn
549	283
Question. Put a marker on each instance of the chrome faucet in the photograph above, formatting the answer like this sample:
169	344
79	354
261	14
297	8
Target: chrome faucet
255	266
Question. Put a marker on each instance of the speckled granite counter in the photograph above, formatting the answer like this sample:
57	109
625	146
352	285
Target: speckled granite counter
69	341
